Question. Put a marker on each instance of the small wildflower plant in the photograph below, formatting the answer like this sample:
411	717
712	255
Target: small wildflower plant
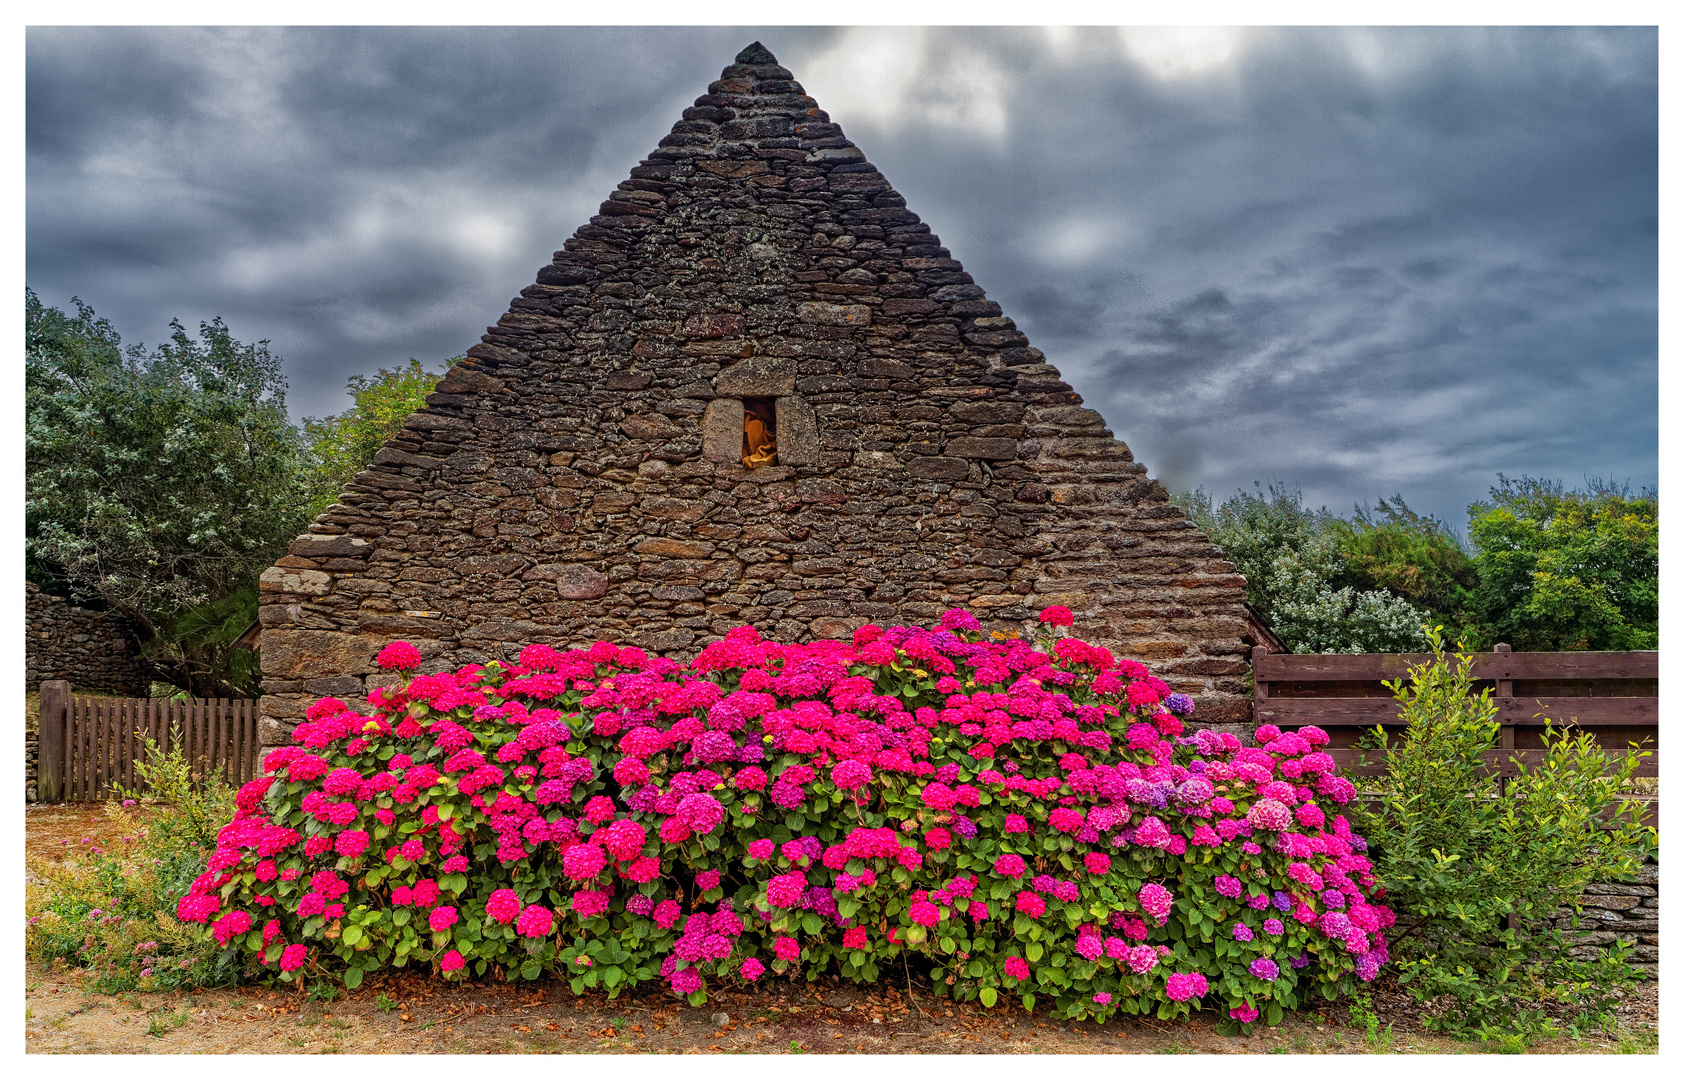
112	911
1022	820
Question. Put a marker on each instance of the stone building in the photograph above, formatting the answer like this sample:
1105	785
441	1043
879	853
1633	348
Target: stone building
582	475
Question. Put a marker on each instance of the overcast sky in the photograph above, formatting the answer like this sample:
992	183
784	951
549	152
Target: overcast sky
1356	261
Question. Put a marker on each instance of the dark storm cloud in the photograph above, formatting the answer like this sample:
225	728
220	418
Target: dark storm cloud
1358	261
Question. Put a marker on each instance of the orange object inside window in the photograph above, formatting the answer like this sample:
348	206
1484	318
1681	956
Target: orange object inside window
760	432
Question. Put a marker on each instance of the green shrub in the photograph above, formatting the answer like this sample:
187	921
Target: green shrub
112	911
1476	875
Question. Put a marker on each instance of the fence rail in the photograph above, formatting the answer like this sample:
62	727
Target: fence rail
1612	695
87	747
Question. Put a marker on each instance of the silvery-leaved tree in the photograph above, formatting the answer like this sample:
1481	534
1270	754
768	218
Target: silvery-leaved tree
162	483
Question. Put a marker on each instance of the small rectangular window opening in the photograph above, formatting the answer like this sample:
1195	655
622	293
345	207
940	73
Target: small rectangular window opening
760	432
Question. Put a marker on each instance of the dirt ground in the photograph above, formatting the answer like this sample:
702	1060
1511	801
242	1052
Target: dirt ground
409	1013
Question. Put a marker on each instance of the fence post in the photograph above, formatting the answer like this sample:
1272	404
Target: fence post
49	741
1505	732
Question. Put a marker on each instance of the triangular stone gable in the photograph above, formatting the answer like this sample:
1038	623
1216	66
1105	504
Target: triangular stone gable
578	477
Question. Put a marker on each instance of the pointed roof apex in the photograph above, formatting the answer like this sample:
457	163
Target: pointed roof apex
756	54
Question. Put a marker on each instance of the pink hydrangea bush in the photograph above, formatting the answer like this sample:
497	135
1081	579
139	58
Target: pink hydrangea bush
1014	819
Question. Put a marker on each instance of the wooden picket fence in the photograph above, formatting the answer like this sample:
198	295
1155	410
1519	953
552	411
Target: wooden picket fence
89	746
1612	695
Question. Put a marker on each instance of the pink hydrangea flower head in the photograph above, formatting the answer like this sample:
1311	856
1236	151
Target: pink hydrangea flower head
1010	865
293	956
786	948
441	918
1057	615
452	961
535	921
1181	987
751	969
503	906
1016	968
1156	901
399	656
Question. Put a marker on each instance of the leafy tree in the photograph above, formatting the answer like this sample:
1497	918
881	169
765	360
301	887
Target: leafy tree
1567	569
343	444
1414	557
158	482
1293	563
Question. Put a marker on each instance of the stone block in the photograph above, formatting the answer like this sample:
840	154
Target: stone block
967	446
581	583
798	432
302	654
301	582
324	546
675	549
464	379
649	427
722	430
834	314
759	376
938	468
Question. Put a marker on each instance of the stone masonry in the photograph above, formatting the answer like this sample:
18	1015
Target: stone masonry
578	477
91	650
1622	911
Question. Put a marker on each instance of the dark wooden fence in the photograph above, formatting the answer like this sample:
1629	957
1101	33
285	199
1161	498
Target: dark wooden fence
88	746
1613	695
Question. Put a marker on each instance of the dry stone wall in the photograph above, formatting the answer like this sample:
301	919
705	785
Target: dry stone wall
91	650
1623	911
578	476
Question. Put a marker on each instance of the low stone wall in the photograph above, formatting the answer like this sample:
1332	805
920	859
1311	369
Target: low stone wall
31	762
91	650
1623	911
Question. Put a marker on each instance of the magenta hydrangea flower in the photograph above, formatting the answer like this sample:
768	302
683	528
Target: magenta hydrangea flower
351	843
850	775
1273	926
292	957
1269	814
786	890
535	921
503	906
1156	901
751	969
399	656
761	849
700	812
581	862
1265	969
1181	987
1057	615
441	918
1242	932
451	961
1010	865
786	948
1142	958
1245	1012
1102	998
1016	967
959	619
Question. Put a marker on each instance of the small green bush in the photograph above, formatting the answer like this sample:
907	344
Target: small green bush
112	911
1477	875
